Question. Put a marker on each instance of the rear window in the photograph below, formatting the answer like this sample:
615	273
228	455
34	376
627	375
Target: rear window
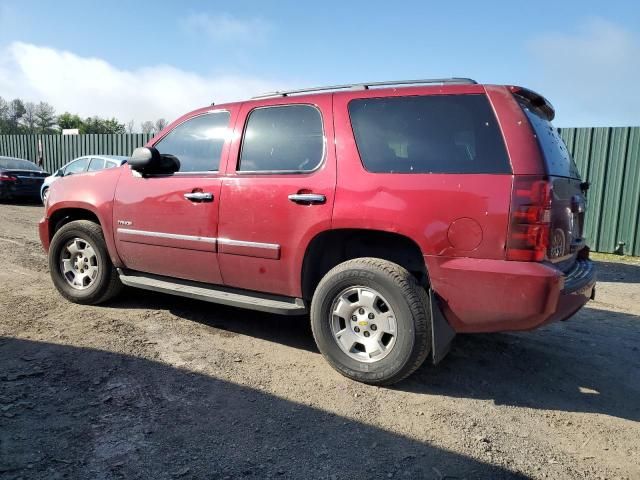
18	164
428	134
558	160
96	164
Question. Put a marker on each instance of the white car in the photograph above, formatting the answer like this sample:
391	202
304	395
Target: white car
88	163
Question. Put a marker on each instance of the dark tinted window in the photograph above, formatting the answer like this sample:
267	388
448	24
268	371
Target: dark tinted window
96	164
198	142
428	134
78	166
18	164
287	138
557	158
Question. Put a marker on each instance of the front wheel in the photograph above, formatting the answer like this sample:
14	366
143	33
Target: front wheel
80	266
371	321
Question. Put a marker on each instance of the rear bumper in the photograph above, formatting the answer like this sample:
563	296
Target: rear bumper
482	295
579	288
43	232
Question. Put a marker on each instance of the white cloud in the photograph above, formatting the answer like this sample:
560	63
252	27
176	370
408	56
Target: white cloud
590	75
227	28
92	86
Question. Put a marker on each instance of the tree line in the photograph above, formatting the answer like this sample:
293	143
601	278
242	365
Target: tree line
19	117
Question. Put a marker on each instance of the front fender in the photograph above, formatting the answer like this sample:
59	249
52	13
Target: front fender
85	195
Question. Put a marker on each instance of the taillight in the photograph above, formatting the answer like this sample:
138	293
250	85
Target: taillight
530	219
7	178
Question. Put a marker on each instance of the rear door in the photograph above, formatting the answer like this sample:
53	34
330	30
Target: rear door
167	224
568	201
278	192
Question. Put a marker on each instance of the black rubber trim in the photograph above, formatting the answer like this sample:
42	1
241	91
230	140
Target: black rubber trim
442	334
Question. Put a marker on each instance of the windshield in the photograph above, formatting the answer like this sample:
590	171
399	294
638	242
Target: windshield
18	164
557	158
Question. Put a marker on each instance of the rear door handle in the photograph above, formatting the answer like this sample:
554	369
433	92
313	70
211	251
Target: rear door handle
199	196
307	198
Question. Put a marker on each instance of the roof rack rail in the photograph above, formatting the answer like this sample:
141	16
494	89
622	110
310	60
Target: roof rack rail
367	85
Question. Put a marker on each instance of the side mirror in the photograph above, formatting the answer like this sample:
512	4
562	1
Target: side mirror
148	161
59	173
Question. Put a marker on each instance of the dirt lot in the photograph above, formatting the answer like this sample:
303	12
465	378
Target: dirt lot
152	386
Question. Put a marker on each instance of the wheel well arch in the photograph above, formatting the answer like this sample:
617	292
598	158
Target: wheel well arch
332	247
65	215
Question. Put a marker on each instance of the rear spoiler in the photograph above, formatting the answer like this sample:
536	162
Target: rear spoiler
535	100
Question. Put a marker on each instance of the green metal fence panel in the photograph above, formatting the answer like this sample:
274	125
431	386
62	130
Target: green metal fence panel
612	190
53	151
609	158
629	224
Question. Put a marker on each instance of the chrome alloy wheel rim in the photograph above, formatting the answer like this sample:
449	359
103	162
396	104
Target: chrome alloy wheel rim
79	263
363	324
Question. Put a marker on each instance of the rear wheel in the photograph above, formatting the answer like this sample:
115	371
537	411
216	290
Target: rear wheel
80	266
371	321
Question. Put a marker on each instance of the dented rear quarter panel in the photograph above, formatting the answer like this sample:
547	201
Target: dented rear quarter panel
428	208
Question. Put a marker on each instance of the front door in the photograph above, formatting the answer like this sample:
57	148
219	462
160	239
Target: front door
167	224
277	194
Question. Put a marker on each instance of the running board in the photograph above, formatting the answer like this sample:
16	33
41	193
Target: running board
214	294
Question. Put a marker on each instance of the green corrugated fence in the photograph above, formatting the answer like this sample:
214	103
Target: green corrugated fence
56	150
609	158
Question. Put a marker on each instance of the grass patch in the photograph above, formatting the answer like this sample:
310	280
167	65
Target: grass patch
612	257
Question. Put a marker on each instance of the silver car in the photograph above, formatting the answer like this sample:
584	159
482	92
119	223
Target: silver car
88	163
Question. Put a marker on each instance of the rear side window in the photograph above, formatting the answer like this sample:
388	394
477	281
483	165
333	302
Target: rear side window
282	139
78	166
198	142
558	160
428	134
96	164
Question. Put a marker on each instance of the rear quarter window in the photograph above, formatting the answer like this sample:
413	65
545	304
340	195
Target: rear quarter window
428	134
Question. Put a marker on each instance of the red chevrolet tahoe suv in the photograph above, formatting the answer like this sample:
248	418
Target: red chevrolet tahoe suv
395	213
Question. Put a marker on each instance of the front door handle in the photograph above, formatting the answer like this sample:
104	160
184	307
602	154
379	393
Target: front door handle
199	196
307	198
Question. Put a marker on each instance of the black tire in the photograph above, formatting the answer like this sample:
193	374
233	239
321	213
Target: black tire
107	283
408	300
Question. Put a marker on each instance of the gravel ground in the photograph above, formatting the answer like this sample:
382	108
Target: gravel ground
152	386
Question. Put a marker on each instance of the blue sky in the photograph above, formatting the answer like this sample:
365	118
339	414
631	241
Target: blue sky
139	60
